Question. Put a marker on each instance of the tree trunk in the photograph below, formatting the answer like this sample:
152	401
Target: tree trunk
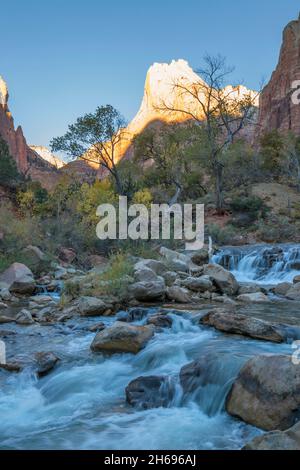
219	187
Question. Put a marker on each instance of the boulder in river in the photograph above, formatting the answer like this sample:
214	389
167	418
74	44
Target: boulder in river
122	338
24	317
148	291
150	392
255	298
234	323
294	292
249	289
161	320
92	307
282	288
277	440
18	279
223	279
266	393
45	361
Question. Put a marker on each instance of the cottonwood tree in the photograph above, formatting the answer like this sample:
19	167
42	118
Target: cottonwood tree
222	112
165	150
95	138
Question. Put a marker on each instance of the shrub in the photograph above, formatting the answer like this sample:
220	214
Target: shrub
219	235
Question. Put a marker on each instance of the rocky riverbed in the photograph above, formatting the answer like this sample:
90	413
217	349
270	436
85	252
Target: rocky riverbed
195	360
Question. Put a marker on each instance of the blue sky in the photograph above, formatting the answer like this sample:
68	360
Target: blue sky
63	58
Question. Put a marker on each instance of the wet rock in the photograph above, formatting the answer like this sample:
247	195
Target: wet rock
294	292
3	305
45	361
198	284
6	319
150	392
133	314
249	289
6	333
97	327
148	291
122	338
223	279
11	367
277	440
179	294
296	279
266	393
255	298
92	307
18	279
191	375
24	317
160	320
282	288
233	323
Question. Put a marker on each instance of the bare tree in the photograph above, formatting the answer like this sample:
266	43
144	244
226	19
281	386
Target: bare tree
95	138
222	112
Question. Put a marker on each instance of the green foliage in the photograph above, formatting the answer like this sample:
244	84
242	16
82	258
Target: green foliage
116	279
9	175
273	152
250	204
221	236
277	229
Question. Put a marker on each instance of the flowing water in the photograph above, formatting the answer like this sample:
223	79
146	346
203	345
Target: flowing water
262	264
81	403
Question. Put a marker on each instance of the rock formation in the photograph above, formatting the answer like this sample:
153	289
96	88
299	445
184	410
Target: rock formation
46	155
277	110
160	92
29	162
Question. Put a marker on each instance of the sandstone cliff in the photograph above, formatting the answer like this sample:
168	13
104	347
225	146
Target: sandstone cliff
277	110
29	162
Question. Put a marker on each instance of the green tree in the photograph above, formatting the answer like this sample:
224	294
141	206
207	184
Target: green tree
9	174
95	137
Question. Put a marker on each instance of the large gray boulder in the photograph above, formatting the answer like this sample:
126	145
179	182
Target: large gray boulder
150	392
254	298
294	292
266	393
223	279
179	294
282	288
233	323
277	440
92	307
19	279
157	266
122	338
148	291
198	284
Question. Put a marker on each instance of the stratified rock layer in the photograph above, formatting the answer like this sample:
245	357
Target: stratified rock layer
277	110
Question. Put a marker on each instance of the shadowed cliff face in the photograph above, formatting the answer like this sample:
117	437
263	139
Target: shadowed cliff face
277	110
29	162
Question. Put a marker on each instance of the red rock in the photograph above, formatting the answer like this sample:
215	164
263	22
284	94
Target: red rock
277	110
